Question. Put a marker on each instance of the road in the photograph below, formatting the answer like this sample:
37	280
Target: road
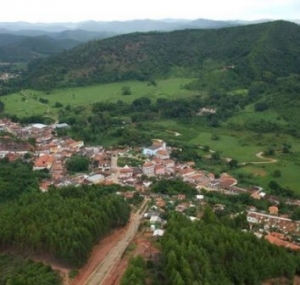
104	268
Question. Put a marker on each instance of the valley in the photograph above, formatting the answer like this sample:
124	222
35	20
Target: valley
184	142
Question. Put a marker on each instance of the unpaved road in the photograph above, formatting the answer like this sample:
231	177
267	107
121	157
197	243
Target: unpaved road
260	155
104	268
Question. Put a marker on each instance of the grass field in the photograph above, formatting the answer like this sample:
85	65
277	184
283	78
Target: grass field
27	102
242	146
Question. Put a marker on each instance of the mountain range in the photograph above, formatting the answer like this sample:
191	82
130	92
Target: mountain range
22	41
251	51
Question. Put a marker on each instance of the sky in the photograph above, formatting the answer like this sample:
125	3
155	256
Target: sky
108	10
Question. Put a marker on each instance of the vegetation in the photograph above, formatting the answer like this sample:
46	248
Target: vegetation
208	252
63	223
16	270
135	272
254	52
77	163
17	48
24	180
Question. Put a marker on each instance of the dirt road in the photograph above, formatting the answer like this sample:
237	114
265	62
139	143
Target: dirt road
104	268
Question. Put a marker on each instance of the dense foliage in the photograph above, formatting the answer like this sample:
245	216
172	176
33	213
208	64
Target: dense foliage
253	52
64	223
207	252
15	270
77	163
16	178
17	48
135	272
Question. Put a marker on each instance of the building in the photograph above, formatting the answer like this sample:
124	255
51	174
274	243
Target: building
126	172
95	179
148	168
44	162
271	223
159	169
154	148
273	210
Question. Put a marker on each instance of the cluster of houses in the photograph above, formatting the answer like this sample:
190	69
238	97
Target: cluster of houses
51	152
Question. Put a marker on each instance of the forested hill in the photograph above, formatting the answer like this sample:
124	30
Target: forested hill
15	48
251	50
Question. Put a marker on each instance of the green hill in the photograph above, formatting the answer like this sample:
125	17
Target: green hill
15	48
254	51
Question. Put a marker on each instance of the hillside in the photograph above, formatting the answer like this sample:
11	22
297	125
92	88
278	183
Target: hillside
16	48
251	51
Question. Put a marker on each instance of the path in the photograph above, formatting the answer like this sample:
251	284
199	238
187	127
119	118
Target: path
260	155
104	268
176	134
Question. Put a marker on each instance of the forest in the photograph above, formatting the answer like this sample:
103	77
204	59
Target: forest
63	223
16	270
255	51
210	252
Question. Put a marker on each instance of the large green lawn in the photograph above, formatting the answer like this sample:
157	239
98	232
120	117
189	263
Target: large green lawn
27	102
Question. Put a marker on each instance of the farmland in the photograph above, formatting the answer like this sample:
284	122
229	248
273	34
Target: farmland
27	102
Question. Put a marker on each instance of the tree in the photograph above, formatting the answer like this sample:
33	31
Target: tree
277	173
205	148
233	163
58	105
261	106
1	106
77	163
126	90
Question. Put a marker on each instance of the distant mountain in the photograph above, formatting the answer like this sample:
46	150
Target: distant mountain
208	24
252	51
81	35
15	48
117	27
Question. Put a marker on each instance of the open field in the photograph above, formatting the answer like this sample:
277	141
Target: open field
249	115
27	102
242	146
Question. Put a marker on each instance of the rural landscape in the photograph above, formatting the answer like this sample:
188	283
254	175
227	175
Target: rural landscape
167	154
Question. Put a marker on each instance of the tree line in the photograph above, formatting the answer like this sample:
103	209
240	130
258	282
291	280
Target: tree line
64	223
208	252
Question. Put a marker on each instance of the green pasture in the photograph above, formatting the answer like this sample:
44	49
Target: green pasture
249	114
27	103
263	173
241	148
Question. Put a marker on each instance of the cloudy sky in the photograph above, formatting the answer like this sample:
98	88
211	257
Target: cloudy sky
107	10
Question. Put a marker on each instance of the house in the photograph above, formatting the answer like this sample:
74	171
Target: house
148	168
279	242
126	172
158	233
159	169
185	172
214	184
219	207
154	148
44	162
155	219
95	179
200	197
269	222
162	154
61	126
273	210
181	197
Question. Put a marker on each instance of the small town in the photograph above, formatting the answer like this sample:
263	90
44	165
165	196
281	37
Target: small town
153	162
